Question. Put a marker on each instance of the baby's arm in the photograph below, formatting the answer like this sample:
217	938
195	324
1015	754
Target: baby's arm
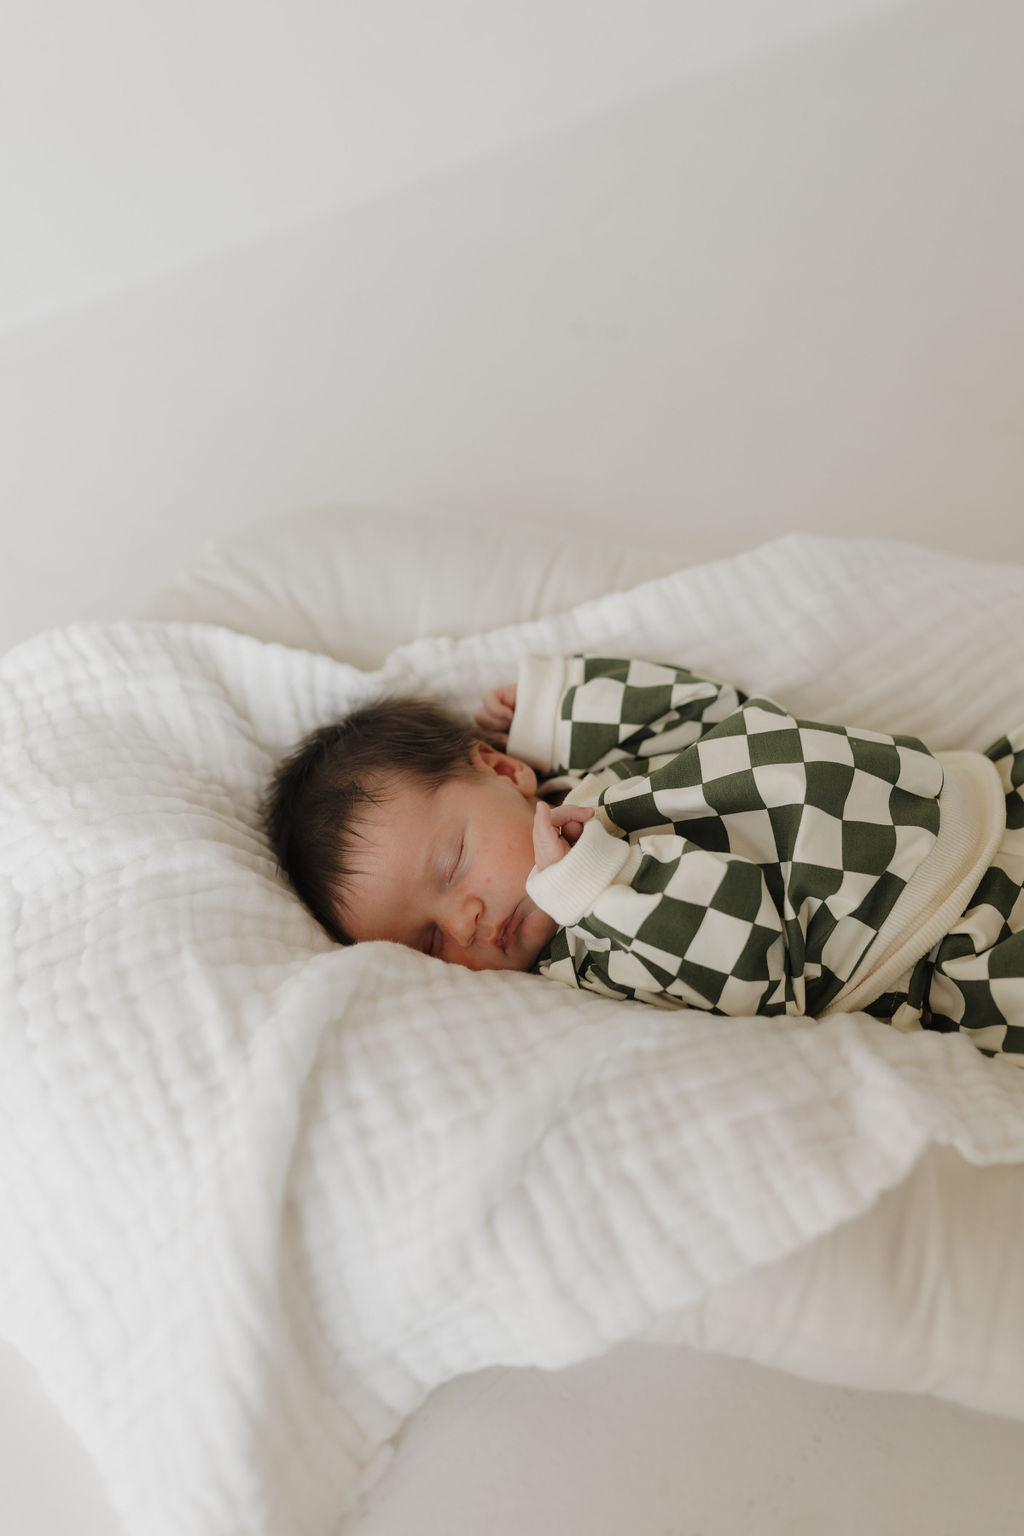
586	712
668	920
581	713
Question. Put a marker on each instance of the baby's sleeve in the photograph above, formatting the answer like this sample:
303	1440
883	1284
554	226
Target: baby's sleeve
577	713
667	922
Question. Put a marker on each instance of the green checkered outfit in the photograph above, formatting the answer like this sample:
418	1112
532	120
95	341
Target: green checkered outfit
973	978
744	861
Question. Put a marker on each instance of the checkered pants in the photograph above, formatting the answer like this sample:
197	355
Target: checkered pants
973	980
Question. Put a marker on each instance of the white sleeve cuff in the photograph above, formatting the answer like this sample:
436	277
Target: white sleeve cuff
532	735
568	890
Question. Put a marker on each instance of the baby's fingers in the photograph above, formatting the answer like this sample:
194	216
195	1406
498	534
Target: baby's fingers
570	820
496	709
548	845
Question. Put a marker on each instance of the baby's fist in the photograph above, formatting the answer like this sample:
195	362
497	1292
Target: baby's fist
555	829
495	713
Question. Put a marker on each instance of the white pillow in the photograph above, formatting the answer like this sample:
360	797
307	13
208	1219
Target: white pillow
920	1293
355	582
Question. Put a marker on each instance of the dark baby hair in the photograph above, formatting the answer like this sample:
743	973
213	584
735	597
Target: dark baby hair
320	793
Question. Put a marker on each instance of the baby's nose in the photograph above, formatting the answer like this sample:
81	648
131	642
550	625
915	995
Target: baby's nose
464	920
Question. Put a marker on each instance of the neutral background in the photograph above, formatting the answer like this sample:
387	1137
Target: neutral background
726	267
740	266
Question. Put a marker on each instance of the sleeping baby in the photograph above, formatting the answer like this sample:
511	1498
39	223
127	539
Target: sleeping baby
643	832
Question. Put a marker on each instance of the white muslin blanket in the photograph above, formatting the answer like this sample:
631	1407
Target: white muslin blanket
260	1195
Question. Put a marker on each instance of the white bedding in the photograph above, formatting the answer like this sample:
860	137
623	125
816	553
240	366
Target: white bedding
263	1195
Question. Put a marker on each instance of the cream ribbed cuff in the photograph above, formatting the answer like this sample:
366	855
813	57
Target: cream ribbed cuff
532	735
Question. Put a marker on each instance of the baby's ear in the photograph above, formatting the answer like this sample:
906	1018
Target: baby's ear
487	759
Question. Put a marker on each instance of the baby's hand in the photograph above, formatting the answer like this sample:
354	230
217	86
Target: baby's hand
495	713
555	829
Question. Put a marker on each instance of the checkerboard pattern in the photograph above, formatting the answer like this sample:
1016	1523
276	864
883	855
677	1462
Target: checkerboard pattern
973	980
771	849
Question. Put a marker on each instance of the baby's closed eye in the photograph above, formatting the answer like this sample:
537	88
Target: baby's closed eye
455	860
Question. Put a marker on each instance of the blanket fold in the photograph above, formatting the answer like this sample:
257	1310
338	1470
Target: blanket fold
261	1195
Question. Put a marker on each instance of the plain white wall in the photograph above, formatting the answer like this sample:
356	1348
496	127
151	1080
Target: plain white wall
778	291
135	137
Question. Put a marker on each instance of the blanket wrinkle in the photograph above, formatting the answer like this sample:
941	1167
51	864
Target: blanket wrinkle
261	1195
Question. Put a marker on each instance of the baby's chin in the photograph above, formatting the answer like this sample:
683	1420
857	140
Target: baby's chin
498	960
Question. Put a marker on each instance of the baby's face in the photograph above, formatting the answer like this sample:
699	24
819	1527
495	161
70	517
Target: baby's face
444	871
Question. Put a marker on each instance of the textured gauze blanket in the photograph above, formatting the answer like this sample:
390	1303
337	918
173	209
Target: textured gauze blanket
259	1195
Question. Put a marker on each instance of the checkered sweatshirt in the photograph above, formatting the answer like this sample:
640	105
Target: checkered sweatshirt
741	860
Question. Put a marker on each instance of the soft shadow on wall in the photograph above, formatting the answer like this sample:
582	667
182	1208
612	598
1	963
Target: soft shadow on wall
785	296
138	138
